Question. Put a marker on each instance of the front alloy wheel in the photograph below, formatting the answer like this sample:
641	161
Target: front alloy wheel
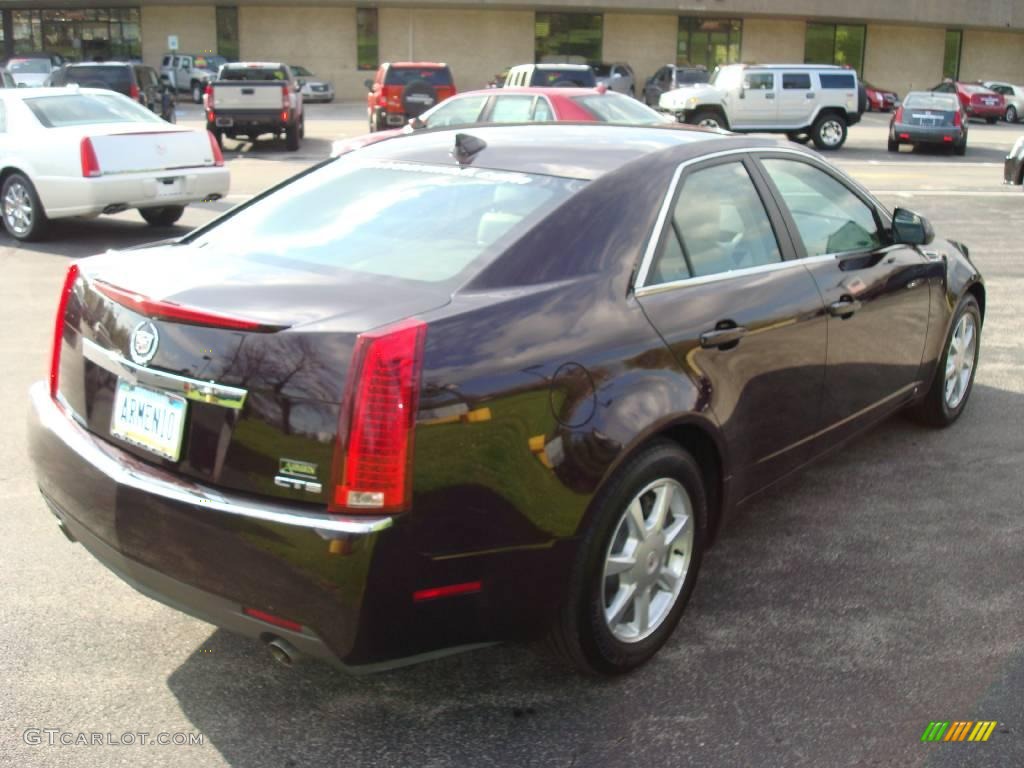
960	359
647	560
954	375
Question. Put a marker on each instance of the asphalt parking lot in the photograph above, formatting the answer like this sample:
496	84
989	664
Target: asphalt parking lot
837	616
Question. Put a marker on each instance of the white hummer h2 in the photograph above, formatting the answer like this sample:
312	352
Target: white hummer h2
796	99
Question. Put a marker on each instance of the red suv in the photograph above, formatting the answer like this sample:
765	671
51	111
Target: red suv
977	100
406	89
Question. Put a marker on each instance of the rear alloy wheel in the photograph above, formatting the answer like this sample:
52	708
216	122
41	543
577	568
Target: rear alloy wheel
23	214
707	118
637	565
1011	114
165	216
829	132
954	375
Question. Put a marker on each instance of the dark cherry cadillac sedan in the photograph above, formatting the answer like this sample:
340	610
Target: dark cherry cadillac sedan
456	389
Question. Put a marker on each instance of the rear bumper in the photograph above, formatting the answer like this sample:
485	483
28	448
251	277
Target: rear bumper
64	196
984	112
919	134
261	121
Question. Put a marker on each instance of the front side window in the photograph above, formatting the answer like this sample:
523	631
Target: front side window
830	217
456	112
719	224
759	81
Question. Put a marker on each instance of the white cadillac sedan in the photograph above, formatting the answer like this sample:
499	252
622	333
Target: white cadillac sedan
84	151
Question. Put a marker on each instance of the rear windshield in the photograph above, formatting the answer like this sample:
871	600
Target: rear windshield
301	71
616	108
253	73
686	76
29	66
547	78
943	102
115	78
836	81
208	62
403	220
406	75
87	109
975	89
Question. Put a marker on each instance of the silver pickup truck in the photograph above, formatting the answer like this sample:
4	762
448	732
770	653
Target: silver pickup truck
251	99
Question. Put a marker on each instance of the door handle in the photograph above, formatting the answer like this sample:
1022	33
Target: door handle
722	337
809	95
844	308
769	95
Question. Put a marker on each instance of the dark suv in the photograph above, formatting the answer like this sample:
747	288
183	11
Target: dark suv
136	81
404	90
670	77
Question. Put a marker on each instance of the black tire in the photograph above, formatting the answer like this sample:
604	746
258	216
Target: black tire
580	635
709	118
960	147
991	120
417	97
291	138
16	225
933	409
829	131
1011	114
166	216
197	92
894	145
217	133
302	127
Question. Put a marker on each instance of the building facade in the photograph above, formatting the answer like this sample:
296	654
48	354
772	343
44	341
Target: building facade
900	46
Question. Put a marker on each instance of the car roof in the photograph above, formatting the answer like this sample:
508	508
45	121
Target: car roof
102	64
550	65
252	64
416	64
537	90
568	149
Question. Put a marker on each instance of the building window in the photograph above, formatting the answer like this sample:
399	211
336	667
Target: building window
951	61
227	32
841	44
708	42
366	38
85	34
568	38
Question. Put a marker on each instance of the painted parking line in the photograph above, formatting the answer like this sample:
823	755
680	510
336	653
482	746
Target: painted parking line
947	192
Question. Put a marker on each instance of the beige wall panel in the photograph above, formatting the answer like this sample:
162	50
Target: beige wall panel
772	41
904	58
644	41
322	39
476	44
993	56
195	26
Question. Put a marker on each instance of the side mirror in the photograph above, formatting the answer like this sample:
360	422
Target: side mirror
368	84
910	228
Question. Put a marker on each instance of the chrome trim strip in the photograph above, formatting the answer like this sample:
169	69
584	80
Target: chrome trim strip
640	288
125	470
719	276
192	389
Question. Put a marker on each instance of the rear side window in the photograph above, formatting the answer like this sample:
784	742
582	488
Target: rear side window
582	78
87	109
830	217
403	220
719	224
837	81
256	74
115	78
405	75
511	109
796	81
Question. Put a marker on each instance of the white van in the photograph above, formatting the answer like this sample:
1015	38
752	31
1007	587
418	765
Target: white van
551	76
795	99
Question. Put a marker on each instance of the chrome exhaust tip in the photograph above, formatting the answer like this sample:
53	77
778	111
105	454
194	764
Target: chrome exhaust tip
283	652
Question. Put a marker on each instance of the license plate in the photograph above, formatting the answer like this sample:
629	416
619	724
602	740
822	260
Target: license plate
149	418
168	187
225	122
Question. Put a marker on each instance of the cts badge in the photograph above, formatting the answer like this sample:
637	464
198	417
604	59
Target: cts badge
143	342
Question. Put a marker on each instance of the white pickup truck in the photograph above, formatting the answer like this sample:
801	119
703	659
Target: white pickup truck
189	73
252	99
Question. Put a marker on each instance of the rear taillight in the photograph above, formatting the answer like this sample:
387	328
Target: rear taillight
958	118
90	164
373	453
133	91
218	156
58	328
286	101
209	96
898	117
178	313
